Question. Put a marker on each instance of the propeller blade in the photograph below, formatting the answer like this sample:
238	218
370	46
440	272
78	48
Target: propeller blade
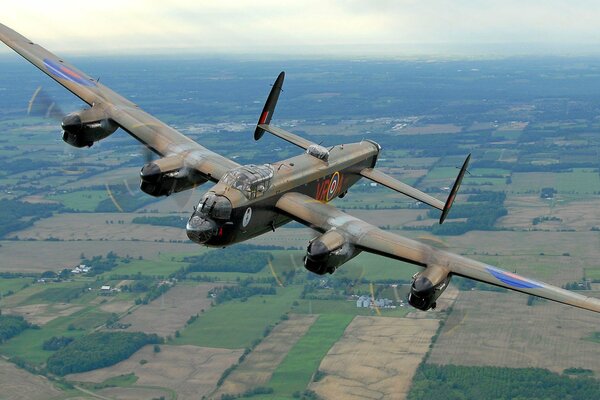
42	105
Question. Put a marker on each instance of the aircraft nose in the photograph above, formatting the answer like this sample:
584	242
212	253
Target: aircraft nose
200	230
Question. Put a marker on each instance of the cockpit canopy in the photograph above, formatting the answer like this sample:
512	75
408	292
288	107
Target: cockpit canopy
252	180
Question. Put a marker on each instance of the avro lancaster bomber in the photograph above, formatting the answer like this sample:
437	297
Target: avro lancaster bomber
249	200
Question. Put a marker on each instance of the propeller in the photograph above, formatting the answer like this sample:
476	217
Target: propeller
43	105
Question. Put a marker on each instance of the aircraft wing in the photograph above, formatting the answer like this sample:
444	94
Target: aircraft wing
156	135
324	217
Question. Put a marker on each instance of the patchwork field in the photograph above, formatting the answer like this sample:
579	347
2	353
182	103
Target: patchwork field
41	314
36	256
376	358
581	215
190	371
170	312
17	384
259	365
99	226
499	329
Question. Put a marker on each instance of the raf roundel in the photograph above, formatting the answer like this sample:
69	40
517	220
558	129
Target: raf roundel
63	72
247	217
333	186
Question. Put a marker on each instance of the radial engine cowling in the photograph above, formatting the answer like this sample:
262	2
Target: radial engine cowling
427	286
327	252
83	128
168	175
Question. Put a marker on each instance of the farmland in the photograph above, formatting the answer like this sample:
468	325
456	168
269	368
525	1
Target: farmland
281	331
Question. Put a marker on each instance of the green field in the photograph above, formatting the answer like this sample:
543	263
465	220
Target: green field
82	200
236	324
297	368
344	307
28	345
14	284
375	268
580	181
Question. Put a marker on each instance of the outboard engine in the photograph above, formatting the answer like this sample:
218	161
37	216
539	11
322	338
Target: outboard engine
84	128
327	252
427	286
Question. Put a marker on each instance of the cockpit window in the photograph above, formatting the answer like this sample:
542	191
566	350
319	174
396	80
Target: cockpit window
251	180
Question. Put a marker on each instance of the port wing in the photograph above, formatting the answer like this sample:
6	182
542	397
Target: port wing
155	134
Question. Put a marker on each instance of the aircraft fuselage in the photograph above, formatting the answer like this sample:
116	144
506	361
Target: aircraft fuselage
254	212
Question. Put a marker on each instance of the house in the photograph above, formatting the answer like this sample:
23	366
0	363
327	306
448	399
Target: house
363	301
81	269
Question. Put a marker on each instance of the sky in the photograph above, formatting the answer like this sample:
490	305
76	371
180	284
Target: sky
310	27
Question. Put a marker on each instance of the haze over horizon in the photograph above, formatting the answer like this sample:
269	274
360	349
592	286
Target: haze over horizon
310	28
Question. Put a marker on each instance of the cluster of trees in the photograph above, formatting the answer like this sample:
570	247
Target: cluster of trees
257	391
460	382
56	342
169	220
227	293
98	350
17	215
101	264
12	325
233	259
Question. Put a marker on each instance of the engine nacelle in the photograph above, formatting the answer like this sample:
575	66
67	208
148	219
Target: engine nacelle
427	286
327	252
83	128
168	175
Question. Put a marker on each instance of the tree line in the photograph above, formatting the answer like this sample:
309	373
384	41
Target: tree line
98	350
453	382
228	260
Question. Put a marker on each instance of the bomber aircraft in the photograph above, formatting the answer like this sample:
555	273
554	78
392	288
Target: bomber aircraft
249	200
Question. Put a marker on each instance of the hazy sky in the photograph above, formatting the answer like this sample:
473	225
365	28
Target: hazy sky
385	27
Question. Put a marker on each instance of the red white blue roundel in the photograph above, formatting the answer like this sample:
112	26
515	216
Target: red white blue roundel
333	186
63	72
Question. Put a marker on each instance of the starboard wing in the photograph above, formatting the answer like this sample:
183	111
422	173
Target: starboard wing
155	134
324	217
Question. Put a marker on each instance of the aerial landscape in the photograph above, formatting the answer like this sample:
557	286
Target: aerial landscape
90	263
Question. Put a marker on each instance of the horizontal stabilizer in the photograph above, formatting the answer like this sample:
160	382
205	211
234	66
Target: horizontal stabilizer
285	135
269	108
384	179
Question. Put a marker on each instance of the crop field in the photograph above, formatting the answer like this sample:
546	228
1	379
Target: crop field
556	257
99	226
236	324
41	314
580	181
560	215
190	371
40	256
345	307
28	345
17	384
259	365
296	370
376	358
499	329
83	200
170	311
